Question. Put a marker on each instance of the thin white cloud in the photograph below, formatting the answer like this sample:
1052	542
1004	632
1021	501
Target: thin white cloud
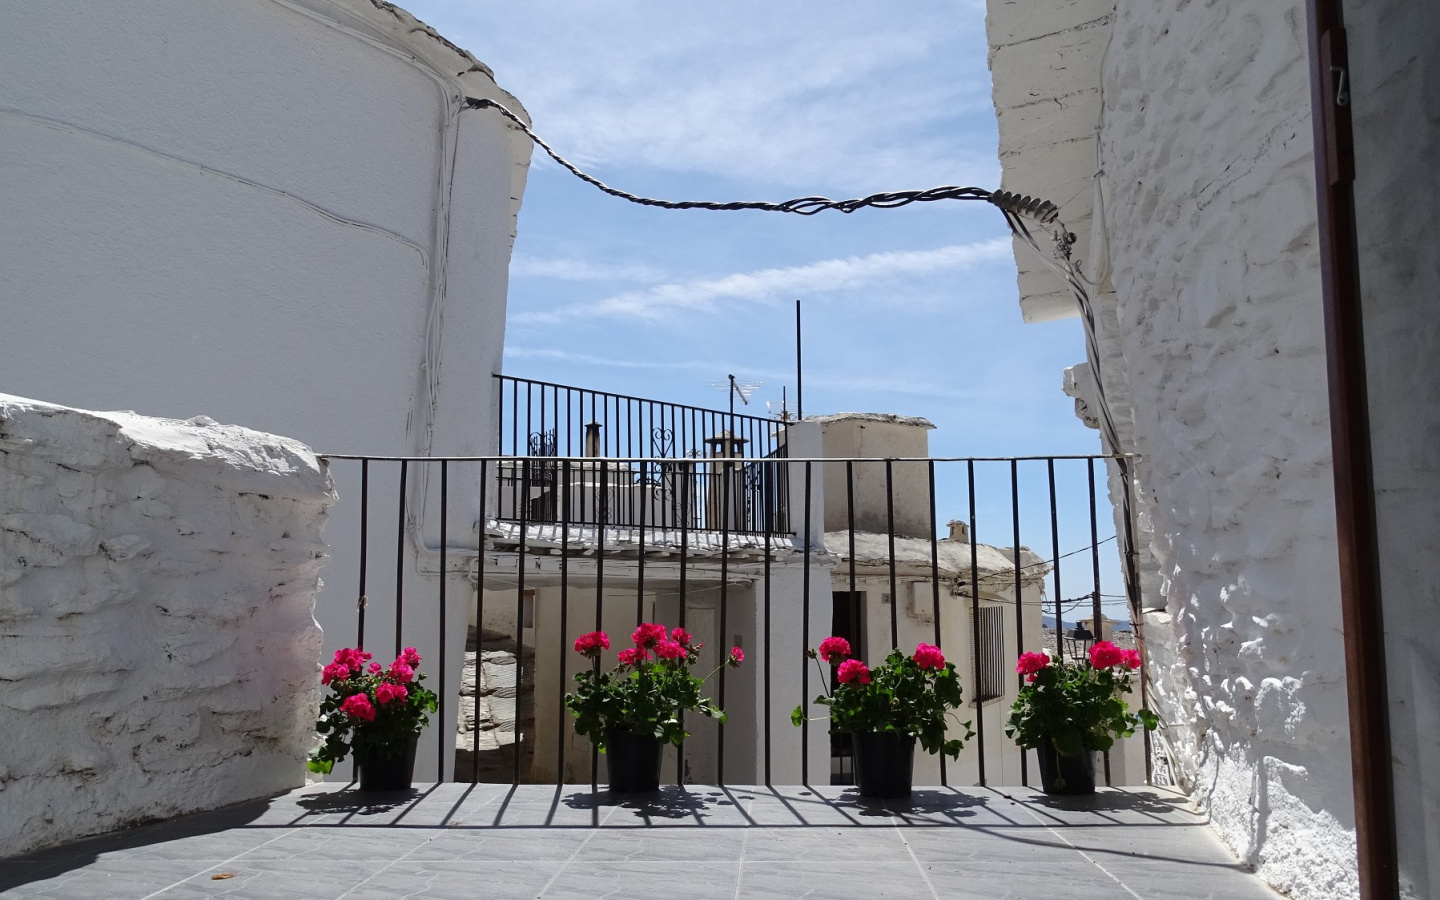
575	269
861	385
823	277
861	97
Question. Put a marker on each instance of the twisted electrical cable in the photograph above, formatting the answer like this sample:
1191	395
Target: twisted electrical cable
1015	207
803	206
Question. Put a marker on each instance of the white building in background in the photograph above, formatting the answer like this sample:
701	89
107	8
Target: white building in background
1178	138
275	213
551	591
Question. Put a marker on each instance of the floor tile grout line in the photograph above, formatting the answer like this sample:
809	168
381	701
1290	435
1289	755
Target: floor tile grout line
565	865
744	843
916	860
225	862
387	867
1083	854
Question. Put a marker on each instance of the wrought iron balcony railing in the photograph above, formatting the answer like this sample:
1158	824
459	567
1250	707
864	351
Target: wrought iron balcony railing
540	422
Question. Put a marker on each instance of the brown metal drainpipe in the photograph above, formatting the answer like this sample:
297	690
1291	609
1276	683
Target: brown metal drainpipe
1350	440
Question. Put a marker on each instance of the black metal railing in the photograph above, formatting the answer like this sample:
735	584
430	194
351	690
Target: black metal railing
540	422
535	583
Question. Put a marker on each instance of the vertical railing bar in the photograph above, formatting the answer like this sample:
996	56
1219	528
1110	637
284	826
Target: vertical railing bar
480	621
890	533
400	560
1137	615
805	639
640	551
768	723
599	588
1095	612
935	580
1055	556
514	444
630	451
684	600
443	733
975	622
724	601
560	736
1019	597
520	613
361	601
850	526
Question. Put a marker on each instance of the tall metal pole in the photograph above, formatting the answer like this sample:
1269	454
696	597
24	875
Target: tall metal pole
799	369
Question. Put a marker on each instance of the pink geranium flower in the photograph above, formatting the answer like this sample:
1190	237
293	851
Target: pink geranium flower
334	672
591	643
928	656
400	671
410	657
633	656
387	692
1030	664
376	668
737	656
680	636
357	706
649	634
854	670
1131	658
1104	654
834	649
669	650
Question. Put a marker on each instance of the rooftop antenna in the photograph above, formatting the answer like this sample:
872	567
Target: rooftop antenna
782	412
736	388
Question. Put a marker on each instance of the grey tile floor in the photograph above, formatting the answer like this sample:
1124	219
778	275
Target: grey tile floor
533	841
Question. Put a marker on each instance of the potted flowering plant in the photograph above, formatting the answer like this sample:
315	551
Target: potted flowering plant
1069	710
633	710
377	713
887	708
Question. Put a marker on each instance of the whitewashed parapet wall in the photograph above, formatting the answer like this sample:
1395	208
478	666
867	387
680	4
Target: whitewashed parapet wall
278	212
1212	351
158	644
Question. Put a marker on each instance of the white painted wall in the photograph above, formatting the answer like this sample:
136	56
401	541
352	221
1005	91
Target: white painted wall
157	635
1210	212
274	213
1212	350
1395	78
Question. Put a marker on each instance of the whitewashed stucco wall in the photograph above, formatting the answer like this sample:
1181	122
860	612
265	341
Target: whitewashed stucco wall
1395	79
158	647
274	213
1210	214
1211	348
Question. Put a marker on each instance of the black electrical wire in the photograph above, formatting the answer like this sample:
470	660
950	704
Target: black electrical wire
803	206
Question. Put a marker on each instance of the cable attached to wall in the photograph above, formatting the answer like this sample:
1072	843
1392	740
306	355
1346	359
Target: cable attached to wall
1017	209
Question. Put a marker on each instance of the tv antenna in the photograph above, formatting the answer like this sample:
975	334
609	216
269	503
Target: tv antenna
780	413
736	388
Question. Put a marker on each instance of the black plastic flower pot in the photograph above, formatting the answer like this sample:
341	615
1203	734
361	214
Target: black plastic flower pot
884	763
634	762
393	772
1066	774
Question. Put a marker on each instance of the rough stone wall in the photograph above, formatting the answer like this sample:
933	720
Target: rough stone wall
1210	212
158	646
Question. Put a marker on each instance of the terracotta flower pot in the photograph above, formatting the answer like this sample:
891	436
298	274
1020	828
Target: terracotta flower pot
884	763
634	761
1066	774
389	773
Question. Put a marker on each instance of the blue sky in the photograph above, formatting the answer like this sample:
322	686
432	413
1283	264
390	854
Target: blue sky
911	311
